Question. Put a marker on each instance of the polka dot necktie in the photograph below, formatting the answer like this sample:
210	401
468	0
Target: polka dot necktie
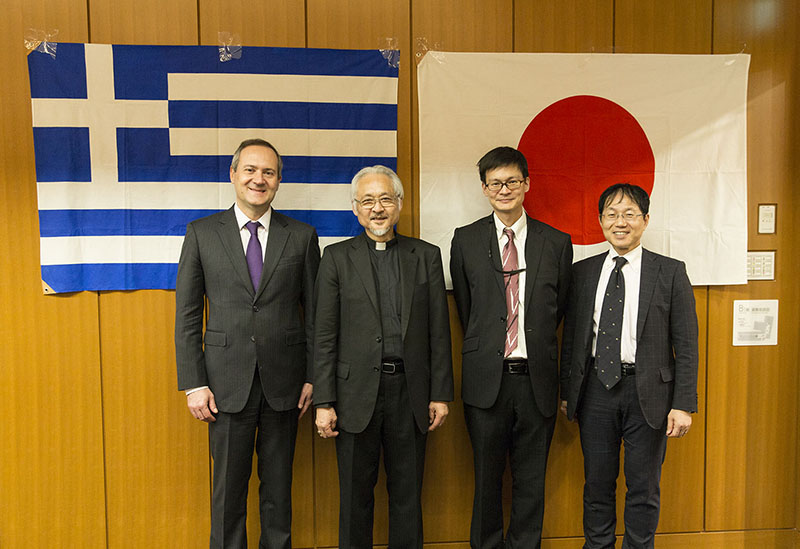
609	333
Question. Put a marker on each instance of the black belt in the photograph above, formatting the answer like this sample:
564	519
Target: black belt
515	366
392	366
626	368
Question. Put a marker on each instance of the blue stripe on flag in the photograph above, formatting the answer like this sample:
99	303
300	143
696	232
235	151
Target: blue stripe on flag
117	222
60	223
140	72
64	76
110	276
143	155
62	154
280	114
328	222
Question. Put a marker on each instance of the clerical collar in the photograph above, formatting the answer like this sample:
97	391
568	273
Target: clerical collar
380	246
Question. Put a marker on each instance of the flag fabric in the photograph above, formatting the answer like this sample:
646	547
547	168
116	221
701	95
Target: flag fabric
134	142
673	124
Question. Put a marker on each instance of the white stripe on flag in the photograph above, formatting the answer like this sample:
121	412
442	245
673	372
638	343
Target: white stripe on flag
186	196
290	142
64	113
282	87
71	250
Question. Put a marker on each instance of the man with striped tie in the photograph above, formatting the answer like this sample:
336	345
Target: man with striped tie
510	278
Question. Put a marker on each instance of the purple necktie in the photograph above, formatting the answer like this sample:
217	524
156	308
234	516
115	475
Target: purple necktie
255	261
511	264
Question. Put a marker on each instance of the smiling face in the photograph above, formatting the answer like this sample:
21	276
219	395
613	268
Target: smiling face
256	180
379	220
623	234
505	203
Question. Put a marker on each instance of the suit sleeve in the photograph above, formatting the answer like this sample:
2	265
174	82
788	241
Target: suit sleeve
439	326
461	291
189	306
568	340
564	276
310	268
326	330
683	334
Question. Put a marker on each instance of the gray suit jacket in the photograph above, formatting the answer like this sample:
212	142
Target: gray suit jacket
271	327
348	333
666	334
479	290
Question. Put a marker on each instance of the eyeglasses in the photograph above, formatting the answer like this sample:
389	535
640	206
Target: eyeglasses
627	216
369	203
511	185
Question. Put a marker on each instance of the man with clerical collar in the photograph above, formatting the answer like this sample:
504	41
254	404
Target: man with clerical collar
510	279
628	368
382	366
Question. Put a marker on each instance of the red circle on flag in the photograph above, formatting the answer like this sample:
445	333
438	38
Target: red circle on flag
576	148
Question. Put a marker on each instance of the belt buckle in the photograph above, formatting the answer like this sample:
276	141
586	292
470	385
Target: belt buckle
516	368
389	367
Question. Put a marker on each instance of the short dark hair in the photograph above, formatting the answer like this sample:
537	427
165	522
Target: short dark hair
501	157
261	143
637	195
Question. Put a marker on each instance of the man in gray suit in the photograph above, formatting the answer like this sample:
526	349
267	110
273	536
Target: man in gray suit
249	373
628	368
510	280
382	366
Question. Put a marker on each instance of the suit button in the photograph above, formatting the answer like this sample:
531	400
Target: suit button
375	369
255	308
253	339
499	353
378	339
502	319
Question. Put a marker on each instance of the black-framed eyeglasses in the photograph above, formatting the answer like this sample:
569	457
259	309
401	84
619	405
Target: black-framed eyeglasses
369	202
511	185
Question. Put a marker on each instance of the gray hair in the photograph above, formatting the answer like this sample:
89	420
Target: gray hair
382	170
258	142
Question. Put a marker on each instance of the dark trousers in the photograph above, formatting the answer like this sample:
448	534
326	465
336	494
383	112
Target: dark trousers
512	427
605	418
392	428
233	437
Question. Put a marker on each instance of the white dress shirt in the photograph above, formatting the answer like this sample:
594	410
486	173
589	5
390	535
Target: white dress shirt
520	228
632	273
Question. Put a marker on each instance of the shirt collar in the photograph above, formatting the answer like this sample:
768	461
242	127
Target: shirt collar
634	257
242	219
518	227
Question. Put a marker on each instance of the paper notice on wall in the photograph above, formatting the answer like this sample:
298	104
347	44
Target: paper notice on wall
755	322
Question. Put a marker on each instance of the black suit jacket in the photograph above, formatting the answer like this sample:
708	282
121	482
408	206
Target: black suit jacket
479	289
666	334
348	333
271	327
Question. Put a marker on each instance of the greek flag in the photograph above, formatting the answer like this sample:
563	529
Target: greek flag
134	142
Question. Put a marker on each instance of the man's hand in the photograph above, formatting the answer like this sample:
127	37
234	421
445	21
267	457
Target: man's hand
564	407
437	413
305	398
678	423
326	422
202	405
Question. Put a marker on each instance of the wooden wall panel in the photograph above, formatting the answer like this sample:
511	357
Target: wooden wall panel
663	26
51	479
156	456
263	23
569	26
752	400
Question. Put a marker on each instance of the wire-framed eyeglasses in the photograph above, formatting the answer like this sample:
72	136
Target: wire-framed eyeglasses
369	202
627	216
511	185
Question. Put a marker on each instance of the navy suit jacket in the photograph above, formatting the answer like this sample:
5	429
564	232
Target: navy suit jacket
666	337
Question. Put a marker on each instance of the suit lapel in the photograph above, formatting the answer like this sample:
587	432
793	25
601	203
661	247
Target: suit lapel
359	257
232	244
647	285
495	258
587	296
408	267
276	242
533	256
